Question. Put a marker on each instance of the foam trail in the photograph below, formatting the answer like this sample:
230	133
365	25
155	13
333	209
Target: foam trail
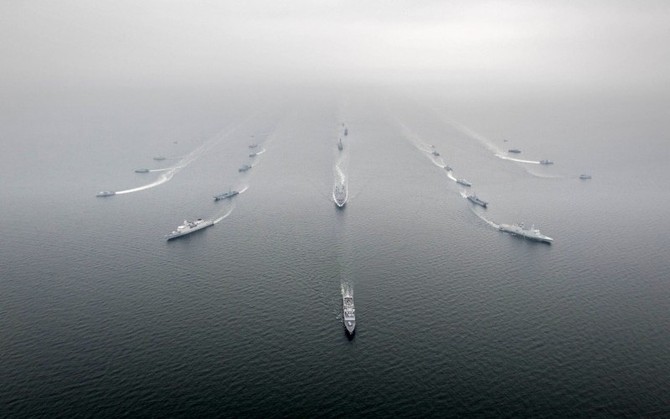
245	188
481	216
451	176
261	152
188	159
162	179
163	170
230	210
471	133
340	175
517	160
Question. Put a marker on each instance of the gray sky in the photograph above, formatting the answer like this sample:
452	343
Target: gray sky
208	41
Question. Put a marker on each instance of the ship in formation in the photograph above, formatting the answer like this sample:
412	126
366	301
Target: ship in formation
340	146
189	227
103	194
348	311
340	194
514	150
244	168
225	195
527	233
546	162
464	182
475	200
584	177
160	158
141	170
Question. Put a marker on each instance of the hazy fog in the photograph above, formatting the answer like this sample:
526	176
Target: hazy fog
555	43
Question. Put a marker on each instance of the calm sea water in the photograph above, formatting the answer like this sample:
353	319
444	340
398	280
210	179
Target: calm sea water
99	315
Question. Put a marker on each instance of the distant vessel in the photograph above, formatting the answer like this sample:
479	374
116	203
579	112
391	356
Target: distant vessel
244	168
225	195
253	145
435	153
340	146
253	154
448	168
340	195
346	131
189	227
514	150
141	170
102	194
348	311
159	158
464	182
546	162
584	177
473	198
528	233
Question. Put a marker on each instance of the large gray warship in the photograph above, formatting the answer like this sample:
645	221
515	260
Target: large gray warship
348	311
528	233
189	227
340	195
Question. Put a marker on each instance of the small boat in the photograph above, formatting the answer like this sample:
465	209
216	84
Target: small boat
584	177
546	162
474	199
348	311
244	168
435	153
225	195
340	146
527	233
514	150
346	132
464	182
253	145
103	194
189	227
159	158
141	170
253	154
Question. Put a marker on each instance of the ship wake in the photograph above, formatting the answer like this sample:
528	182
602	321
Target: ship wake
225	215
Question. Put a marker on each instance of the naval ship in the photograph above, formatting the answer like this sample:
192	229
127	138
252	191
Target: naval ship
474	199
584	177
528	233
189	227
225	195
244	168
546	162
160	158
435	153
340	146
464	182
348	311
340	195
102	194
514	150
141	170
254	145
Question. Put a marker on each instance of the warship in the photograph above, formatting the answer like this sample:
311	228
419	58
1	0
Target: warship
189	227
528	233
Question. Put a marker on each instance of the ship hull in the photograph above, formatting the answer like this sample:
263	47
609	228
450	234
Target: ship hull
515	231
478	201
175	235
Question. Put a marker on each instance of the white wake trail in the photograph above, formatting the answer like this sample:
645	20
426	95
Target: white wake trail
230	211
502	156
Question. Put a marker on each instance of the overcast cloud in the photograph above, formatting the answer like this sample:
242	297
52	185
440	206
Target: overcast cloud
165	42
